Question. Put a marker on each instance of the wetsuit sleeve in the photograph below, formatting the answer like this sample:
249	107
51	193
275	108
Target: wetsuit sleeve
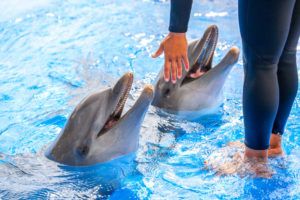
180	15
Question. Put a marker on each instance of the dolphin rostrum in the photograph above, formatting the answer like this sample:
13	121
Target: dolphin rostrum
97	131
202	93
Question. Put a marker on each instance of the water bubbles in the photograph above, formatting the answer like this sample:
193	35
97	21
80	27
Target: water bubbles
197	14
132	56
115	59
211	14
139	35
52	55
192	127
49	14
216	14
18	20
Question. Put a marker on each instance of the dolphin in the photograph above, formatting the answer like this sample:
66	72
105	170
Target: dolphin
97	132
201	94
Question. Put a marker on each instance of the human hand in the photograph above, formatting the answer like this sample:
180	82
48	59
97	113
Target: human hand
174	46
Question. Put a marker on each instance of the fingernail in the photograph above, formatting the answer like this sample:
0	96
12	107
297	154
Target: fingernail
167	79
173	81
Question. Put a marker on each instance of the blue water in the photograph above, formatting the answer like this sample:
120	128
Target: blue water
53	53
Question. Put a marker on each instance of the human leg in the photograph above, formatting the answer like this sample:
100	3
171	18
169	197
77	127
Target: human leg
288	82
264	27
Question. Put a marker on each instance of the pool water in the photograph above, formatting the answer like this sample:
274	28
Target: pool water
53	53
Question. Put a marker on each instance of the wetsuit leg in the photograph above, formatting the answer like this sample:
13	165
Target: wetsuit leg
287	73
264	27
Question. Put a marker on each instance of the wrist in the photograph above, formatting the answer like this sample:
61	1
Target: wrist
177	34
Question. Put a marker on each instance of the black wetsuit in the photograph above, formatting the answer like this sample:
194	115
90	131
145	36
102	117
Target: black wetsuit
180	15
270	31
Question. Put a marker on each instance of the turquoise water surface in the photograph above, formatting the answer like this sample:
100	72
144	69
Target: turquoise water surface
53	53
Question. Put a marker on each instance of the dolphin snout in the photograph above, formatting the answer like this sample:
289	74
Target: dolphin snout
148	92
212	27
128	75
124	80
234	53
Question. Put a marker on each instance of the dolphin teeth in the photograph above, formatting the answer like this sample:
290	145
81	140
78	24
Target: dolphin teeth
202	64
116	115
123	98
211	49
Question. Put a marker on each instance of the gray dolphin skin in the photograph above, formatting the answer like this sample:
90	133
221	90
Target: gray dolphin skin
201	94
97	131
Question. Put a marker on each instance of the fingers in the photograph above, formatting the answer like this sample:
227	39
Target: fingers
159	51
174	46
167	69
186	62
172	67
179	68
174	70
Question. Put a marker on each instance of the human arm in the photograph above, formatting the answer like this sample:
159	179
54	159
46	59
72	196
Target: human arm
174	45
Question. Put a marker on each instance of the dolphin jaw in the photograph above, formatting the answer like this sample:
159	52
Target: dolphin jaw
123	97
69	149
139	108
144	100
204	57
117	112
141	103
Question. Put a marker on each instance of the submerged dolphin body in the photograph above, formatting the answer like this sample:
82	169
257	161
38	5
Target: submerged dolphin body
96	132
201	94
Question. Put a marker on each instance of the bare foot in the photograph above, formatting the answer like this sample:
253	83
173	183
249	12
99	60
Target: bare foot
259	155
256	163
257	168
275	148
232	159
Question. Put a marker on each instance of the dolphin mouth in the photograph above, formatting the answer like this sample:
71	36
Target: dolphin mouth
117	113
204	59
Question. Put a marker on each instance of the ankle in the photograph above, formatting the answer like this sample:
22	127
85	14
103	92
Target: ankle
255	155
275	141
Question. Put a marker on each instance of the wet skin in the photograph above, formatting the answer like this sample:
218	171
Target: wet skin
199	88
97	131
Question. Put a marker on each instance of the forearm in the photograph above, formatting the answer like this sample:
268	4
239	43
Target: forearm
180	15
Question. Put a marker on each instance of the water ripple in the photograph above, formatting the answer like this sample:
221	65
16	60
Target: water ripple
53	53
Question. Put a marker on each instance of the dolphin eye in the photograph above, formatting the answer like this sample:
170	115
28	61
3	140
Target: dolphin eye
167	92
83	150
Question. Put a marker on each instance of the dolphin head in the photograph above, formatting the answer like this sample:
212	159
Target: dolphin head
201	93
97	131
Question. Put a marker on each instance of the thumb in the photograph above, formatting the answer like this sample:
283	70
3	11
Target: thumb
159	51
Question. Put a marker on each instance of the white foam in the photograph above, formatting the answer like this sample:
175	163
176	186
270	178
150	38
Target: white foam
11	9
197	14
216	14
